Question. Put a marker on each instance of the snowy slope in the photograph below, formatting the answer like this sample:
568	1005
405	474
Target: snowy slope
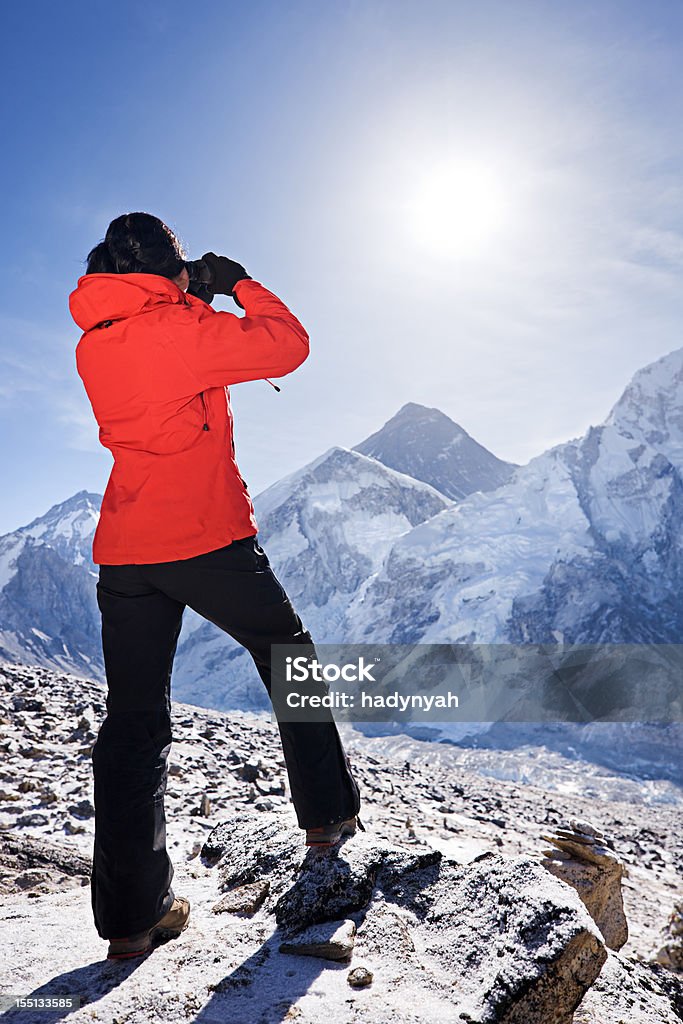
326	529
582	545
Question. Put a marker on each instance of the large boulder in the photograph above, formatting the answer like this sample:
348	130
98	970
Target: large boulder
500	940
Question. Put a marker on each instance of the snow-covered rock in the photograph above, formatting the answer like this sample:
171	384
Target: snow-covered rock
498	941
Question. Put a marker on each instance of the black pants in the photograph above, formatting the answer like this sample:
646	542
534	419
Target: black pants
142	608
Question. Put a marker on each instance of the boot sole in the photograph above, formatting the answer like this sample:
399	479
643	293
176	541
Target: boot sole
156	937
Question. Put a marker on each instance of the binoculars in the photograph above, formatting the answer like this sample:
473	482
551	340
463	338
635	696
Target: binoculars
201	279
199	272
217	274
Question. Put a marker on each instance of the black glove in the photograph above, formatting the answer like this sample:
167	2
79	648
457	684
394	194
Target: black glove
225	274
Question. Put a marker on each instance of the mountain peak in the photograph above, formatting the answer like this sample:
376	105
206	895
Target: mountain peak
67	527
82	501
428	445
416	413
649	409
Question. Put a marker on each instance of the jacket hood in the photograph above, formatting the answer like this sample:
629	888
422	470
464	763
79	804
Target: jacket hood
99	297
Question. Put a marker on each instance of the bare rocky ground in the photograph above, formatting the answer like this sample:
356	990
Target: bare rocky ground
479	836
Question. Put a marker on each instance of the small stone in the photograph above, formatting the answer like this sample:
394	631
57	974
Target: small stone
246	899
249	771
585	826
40	890
28	879
83	810
204	806
83	730
28	704
33	820
577	837
333	940
73	830
359	977
264	804
33	752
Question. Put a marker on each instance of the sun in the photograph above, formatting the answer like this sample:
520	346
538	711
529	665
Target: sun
459	208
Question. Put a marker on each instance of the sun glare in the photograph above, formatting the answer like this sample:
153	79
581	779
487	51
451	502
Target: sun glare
458	209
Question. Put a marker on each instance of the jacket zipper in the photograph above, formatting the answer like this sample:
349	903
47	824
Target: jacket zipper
232	439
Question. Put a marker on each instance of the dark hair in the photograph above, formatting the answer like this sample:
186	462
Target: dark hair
137	243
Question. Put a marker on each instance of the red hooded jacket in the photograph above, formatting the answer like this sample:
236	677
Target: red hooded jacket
156	364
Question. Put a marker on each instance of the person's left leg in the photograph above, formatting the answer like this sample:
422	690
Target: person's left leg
236	588
132	872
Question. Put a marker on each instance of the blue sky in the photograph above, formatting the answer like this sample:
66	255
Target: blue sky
303	139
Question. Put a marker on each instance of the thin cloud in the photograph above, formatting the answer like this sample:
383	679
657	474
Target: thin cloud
77	420
33	359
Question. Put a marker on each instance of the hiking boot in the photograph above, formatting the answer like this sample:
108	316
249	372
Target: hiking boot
329	835
169	927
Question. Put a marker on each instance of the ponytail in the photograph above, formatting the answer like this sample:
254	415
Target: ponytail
137	243
100	261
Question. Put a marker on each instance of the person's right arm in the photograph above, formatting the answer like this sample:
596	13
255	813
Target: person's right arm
222	348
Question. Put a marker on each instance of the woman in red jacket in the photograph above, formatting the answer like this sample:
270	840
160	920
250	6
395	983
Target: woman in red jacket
177	529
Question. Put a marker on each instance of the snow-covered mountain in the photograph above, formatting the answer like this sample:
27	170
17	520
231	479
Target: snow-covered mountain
583	545
48	608
428	445
326	529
